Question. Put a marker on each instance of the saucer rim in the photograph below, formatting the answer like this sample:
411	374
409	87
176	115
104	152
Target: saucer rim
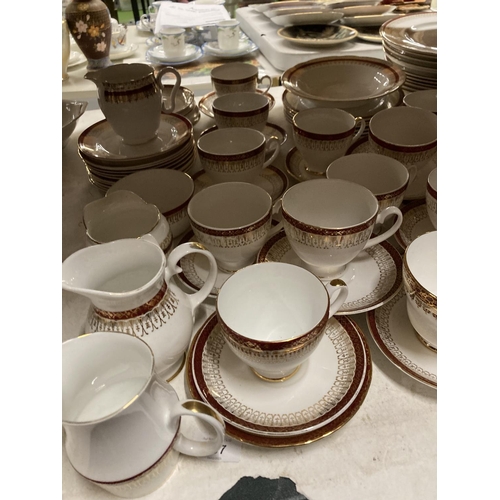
395	257
271	125
211	51
208	112
415	205
123	54
150	57
371	322
307	437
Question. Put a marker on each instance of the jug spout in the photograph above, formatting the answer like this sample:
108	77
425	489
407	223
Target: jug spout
116	276
93	76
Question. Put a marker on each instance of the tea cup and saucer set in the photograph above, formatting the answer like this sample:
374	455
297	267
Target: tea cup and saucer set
173	49
230	42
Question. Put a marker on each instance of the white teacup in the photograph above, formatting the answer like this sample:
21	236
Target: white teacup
431	197
237	77
124	214
241	109
323	134
173	41
228	34
408	135
420	284
122	421
328	222
273	316
236	153
232	220
118	36
168	189
385	177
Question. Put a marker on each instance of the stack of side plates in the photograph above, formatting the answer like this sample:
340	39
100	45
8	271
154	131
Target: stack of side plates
410	42
108	159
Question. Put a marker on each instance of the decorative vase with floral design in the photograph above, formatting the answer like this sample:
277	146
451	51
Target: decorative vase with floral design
89	23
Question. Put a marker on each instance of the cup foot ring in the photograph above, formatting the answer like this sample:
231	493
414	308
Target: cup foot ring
281	379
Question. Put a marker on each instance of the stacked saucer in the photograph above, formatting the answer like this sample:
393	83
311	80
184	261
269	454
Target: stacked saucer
410	42
325	393
108	159
327	82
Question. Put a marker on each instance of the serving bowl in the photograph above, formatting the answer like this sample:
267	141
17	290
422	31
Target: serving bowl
343	80
71	112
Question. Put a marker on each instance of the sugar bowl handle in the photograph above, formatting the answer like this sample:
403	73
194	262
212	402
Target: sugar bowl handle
169	69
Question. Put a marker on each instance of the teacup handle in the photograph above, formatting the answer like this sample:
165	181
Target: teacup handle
412	171
169	69
261	79
203	412
269	146
195	299
388	232
341	287
362	125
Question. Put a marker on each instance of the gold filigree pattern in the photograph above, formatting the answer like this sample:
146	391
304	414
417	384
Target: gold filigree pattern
423	299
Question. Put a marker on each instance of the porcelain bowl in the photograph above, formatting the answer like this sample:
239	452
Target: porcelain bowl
71	112
347	80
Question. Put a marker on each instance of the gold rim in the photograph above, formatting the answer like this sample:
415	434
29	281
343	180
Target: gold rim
181	366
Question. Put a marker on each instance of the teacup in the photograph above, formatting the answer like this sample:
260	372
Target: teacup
323	134
235	154
241	109
173	41
328	222
168	189
273	316
420	284
122	422
408	135
147	21
232	221
385	177
228	34
118	36
124	214
431	197
237	77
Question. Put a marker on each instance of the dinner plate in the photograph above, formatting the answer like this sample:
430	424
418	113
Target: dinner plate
416	222
157	55
331	79
127	51
317	35
369	34
205	103
369	20
415	32
372	278
284	4
325	393
246	46
100	142
319	17
364	10
299	9
395	336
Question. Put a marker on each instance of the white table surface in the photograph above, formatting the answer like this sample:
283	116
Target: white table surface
387	451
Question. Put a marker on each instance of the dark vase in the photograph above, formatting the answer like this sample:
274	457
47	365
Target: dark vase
89	23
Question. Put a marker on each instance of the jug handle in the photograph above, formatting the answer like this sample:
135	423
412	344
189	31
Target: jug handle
169	69
195	299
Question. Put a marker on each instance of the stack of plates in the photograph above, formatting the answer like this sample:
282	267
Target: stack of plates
108	159
361	86
321	397
410	42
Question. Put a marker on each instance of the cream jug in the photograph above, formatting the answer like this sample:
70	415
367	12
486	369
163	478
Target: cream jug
122	422
131	98
130	285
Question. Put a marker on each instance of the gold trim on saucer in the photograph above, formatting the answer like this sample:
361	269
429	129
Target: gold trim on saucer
179	369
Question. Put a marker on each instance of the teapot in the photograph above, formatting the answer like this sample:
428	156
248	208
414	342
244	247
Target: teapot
130	286
131	98
122	422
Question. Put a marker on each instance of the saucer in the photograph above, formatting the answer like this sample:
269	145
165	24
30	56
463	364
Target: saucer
127	51
393	333
205	103
325	393
270	130
373	277
415	223
246	46
317	35
296	167
416	191
157	55
75	58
